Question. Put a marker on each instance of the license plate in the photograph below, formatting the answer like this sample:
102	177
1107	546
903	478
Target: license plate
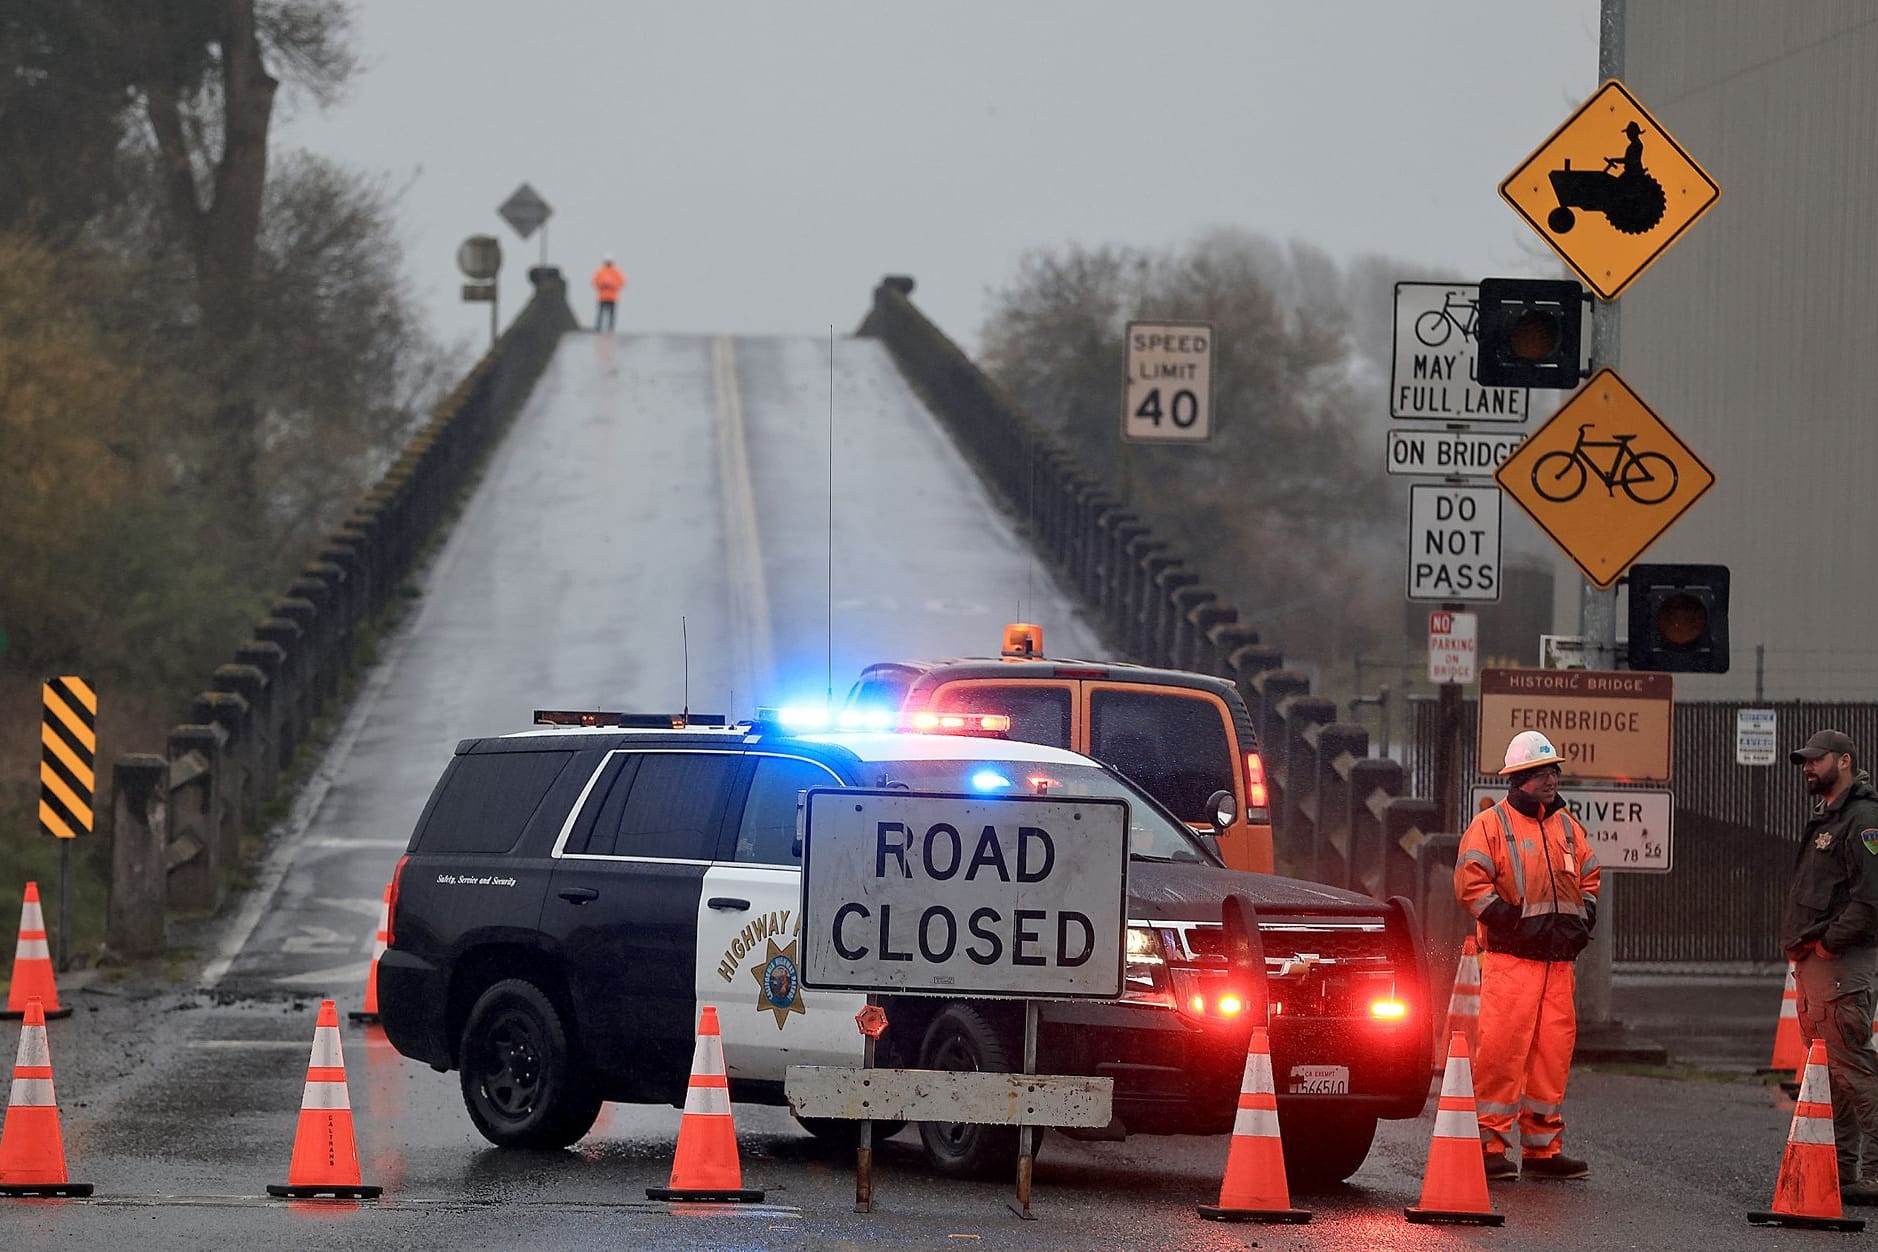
1320	1080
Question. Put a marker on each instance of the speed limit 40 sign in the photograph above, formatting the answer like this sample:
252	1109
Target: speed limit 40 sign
1167	396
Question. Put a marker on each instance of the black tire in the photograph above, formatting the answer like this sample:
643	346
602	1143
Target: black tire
522	1083
961	1038
1321	1150
1561	220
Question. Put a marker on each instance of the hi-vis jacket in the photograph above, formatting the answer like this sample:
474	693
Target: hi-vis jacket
1530	882
607	282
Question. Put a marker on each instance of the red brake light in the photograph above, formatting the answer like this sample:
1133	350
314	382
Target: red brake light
391	901
1257	801
1230	1006
1080	671
1388	1010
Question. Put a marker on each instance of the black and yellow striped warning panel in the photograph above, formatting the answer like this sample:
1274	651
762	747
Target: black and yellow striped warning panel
68	737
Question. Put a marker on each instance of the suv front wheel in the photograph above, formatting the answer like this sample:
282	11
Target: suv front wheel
521	1083
961	1038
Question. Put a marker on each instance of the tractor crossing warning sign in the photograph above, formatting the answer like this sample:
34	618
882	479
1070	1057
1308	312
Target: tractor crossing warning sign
1610	190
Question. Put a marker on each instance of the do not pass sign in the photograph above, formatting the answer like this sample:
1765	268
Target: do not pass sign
919	894
1454	542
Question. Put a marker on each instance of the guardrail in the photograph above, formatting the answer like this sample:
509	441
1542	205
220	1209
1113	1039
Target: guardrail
178	817
1340	816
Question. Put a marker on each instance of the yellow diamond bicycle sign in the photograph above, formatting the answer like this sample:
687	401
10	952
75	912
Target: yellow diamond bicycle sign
1610	190
1605	477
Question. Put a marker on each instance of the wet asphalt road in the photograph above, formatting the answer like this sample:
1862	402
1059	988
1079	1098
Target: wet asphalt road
654	479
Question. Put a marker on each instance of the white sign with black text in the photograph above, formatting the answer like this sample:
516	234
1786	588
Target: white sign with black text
1629	829
1453	647
1454	543
1754	737
1432	375
910	893
1448	453
1167	397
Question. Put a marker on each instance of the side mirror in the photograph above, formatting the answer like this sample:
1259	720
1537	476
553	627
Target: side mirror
1223	808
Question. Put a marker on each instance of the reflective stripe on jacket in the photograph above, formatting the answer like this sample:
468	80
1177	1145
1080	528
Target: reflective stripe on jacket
1530	883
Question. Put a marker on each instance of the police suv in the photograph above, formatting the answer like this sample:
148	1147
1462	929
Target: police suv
573	894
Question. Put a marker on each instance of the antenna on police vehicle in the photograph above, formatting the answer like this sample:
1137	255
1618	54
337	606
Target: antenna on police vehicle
831	518
684	644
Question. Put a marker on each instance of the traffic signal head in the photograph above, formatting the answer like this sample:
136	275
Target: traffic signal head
1679	618
1531	331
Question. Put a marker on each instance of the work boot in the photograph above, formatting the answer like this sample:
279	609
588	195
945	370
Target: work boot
1500	1168
1862	1192
1557	1166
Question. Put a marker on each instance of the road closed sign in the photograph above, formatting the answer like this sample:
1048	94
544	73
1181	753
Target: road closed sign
909	893
1454	542
1167	397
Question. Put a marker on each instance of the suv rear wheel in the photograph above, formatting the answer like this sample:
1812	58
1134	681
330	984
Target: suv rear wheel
960	1038
521	1082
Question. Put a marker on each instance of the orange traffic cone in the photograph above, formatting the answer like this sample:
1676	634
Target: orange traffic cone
369	1013
705	1166
32	1154
1254	1188
1789	1053
325	1155
1454	1186
1464	1003
1807	1193
32	963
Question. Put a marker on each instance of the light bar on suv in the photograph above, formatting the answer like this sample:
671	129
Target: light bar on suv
815	718
629	721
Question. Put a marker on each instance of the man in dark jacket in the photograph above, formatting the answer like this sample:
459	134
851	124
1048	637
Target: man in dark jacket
1830	932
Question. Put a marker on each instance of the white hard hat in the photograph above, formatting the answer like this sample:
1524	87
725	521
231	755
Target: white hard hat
1528	749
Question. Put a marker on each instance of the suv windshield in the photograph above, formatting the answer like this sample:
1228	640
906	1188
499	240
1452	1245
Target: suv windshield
1153	834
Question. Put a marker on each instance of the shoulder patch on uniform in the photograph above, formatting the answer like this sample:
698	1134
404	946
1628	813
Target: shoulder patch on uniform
1870	836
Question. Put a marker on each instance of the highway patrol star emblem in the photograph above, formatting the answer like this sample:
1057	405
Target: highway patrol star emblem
778	982
1823	840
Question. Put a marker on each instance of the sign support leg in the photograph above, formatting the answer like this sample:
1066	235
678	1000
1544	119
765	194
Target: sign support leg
864	1141
65	905
1026	1135
1447	759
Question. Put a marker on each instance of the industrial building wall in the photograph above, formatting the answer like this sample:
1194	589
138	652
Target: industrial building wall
1754	336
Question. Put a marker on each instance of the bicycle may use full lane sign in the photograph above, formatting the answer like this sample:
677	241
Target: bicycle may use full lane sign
1605	477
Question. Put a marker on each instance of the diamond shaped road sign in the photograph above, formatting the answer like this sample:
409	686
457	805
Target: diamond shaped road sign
525	210
1610	190
1605	477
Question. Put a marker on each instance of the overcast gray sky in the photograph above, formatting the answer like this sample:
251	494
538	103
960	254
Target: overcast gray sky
756	167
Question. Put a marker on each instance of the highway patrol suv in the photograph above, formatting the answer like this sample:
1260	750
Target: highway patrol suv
573	894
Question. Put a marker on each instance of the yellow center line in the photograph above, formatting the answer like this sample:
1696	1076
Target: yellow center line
744	552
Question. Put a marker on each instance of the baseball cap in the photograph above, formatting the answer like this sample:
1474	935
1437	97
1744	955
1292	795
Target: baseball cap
1823	743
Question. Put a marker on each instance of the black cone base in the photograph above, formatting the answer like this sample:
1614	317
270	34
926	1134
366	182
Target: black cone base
706	1197
338	1191
1214	1213
52	1015
50	1189
1429	1216
1853	1224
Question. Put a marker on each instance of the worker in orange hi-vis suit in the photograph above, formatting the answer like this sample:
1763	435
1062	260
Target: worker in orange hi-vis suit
1529	877
608	282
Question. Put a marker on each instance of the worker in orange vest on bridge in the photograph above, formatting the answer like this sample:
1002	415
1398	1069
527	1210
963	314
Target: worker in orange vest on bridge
608	282
1529	877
